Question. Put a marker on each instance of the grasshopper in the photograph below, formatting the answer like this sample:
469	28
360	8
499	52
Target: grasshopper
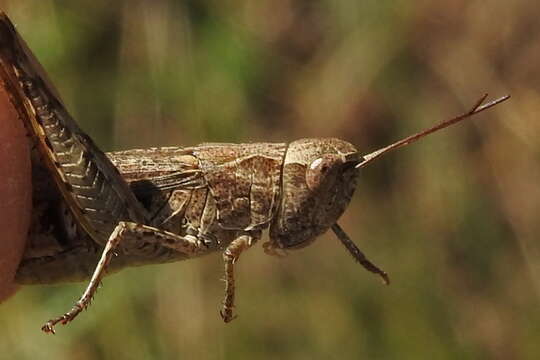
96	213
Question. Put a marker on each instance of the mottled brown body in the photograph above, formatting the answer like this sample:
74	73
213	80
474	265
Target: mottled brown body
178	198
96	213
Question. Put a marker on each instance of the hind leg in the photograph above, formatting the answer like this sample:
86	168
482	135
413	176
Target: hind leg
137	236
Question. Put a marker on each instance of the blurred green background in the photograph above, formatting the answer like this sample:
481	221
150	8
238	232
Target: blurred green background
453	219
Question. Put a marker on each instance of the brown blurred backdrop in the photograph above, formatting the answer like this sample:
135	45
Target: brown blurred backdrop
453	219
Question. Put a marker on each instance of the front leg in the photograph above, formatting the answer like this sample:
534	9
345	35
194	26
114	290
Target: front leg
136	237
230	256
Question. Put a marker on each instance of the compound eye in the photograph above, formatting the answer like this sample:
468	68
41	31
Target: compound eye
320	169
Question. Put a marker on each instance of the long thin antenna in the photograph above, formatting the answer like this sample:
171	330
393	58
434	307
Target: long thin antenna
477	108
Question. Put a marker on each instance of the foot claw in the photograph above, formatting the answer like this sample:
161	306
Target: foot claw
64	319
227	316
48	328
385	277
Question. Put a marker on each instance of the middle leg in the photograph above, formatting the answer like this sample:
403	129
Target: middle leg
230	256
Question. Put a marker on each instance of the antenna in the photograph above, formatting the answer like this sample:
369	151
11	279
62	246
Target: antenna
477	108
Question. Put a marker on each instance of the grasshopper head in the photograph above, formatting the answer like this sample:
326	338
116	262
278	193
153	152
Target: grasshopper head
319	179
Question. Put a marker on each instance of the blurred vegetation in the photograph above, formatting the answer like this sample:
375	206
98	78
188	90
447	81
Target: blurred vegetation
453	219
